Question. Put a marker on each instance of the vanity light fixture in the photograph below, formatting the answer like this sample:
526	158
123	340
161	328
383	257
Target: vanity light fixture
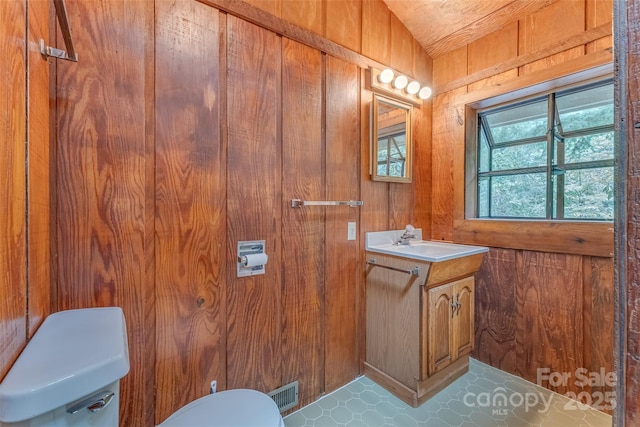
396	85
400	82
386	76
413	88
424	93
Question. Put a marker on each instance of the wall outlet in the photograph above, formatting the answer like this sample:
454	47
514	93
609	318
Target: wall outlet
351	231
214	385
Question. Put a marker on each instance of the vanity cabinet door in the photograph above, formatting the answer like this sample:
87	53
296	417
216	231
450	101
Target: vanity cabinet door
440	321
450	320
463	327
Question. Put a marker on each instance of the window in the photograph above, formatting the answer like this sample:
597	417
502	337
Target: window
548	157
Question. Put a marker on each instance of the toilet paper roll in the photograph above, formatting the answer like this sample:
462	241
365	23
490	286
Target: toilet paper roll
253	260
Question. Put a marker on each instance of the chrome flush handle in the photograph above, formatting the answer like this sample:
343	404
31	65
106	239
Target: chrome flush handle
94	403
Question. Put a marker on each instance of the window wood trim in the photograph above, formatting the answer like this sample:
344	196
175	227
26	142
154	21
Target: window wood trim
575	237
592	238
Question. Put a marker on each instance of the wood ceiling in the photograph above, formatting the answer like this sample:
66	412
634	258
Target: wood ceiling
441	26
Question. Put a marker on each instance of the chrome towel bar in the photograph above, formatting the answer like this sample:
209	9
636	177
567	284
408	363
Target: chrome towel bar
297	203
415	271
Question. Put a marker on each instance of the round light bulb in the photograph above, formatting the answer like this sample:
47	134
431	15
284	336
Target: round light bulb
386	76
413	87
400	82
424	93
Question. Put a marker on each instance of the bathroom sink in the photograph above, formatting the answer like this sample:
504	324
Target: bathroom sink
423	250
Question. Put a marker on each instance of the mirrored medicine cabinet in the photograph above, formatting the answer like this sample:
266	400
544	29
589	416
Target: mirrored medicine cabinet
391	140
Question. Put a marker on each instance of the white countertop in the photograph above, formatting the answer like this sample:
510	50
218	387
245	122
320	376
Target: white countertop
423	250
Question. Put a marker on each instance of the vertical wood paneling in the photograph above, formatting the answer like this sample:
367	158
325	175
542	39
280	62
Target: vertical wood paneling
422	172
146	179
537	310
343	272
308	14
401	205
374	214
450	66
254	210
549	293
303	252
493	49
190	218
344	23
543	27
448	135
401	47
376	31
422	65
599	327
39	281
549	24
144	413
101	178
628	43
496	310
12	172
599	12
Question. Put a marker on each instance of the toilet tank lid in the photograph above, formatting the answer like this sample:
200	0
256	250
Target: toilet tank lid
73	353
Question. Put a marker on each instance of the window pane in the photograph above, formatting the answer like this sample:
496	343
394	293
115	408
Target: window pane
586	109
519	122
484	153
589	147
519	156
519	196
588	194
483	197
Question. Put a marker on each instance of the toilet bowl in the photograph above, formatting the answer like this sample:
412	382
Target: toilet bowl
69	375
231	408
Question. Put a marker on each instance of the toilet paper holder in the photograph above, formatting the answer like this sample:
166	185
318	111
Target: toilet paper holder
252	258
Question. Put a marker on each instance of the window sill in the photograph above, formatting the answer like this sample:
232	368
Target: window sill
576	237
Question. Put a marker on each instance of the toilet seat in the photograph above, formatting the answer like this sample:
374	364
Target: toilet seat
231	408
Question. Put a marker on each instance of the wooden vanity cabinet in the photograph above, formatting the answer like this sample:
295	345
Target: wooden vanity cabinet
420	329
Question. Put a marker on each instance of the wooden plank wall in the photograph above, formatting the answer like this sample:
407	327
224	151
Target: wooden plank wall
189	217
13	263
185	129
24	203
38	152
103	116
533	309
539	310
628	41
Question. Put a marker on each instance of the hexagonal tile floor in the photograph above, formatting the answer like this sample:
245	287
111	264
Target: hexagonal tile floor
483	397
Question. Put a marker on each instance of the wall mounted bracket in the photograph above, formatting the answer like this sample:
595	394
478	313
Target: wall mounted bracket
70	53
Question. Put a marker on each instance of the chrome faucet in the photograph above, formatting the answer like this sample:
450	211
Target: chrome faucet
408	234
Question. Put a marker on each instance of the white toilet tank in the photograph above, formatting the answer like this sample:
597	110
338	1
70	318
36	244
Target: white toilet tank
69	374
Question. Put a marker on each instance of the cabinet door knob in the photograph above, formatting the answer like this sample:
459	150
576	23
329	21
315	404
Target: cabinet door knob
458	304
453	308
